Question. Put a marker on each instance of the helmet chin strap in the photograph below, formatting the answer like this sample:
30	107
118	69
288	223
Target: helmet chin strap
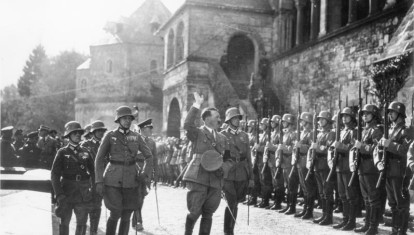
122	127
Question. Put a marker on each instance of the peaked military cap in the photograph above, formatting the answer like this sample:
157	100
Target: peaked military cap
32	134
146	123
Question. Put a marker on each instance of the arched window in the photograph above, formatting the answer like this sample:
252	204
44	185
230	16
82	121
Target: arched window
179	51
170	49
153	67
83	85
109	66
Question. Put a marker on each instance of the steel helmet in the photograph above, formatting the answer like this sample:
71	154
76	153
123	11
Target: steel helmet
371	108
348	111
88	129
289	118
71	127
97	125
251	123
231	113
326	115
122	112
276	118
307	117
265	121
334	118
397	107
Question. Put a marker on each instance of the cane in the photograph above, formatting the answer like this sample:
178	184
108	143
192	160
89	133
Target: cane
227	203
248	208
156	201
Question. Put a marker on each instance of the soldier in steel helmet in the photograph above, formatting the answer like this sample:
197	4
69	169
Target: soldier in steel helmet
348	195
264	171
119	181
255	192
309	186
88	133
325	189
284	161
97	130
368	174
72	178
396	146
238	173
204	174
146	132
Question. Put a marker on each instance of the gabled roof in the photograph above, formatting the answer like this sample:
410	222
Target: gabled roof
84	65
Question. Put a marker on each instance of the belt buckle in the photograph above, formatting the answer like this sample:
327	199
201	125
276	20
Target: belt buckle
78	177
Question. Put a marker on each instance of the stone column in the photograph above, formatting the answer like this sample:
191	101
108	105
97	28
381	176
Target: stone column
352	11
323	18
315	9
299	21
373	7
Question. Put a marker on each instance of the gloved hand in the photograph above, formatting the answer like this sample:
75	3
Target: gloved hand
61	198
100	188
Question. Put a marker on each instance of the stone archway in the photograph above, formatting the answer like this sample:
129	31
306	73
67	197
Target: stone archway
240	63
174	119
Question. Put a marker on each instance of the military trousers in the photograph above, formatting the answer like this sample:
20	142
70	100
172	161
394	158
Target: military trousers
347	194
370	194
325	189
81	211
202	200
309	187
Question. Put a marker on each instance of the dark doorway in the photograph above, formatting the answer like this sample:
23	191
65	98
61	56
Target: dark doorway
239	63
174	119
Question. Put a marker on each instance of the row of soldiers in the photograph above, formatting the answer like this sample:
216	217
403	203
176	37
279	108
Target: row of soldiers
320	161
36	149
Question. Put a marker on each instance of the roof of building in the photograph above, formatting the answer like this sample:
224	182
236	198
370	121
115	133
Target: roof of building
403	38
85	65
247	4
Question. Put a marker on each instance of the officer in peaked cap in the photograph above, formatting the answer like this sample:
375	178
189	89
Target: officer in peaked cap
238	170
30	152
48	145
120	183
203	175
18	139
71	174
97	130
8	157
146	132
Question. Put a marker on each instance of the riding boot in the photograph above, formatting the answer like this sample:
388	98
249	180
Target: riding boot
123	227
367	224
373	222
233	221
345	214
94	216
264	203
189	225
252	201
329	211
227	221
403	217
80	230
111	226
339	206
292	207
395	223
63	229
205	226
309	212
323	204
352	211
305	208
287	204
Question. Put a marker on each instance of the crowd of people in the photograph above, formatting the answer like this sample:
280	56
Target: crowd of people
242	161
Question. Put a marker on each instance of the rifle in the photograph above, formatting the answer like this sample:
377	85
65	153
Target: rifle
337	137
269	137
280	141
359	138
295	161
314	138
382	149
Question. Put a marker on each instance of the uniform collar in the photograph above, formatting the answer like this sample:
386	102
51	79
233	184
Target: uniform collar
232	131
95	140
73	146
122	131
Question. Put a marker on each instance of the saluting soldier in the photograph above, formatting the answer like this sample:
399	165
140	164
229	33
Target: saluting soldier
309	186
71	174
325	189
119	181
368	174
146	132
48	145
204	175
97	131
30	152
8	153
239	166
348	195
396	147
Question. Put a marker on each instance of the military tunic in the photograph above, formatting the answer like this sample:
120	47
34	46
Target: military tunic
48	145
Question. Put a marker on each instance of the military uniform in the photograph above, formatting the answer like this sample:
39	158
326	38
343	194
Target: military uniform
8	157
397	193
277	180
240	172
48	145
30	153
71	174
203	197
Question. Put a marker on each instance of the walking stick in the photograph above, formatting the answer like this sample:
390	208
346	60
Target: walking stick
227	203
248	208
156	201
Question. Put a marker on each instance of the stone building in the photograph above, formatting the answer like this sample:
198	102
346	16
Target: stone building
311	46
124	68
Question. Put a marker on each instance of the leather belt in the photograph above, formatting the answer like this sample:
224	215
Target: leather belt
238	159
76	177
126	163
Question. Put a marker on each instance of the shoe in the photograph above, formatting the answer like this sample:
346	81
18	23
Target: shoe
327	220
342	224
139	227
276	206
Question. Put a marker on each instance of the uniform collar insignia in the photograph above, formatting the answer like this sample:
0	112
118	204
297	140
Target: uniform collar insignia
232	131
123	131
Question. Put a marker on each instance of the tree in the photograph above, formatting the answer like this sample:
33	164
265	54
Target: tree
33	71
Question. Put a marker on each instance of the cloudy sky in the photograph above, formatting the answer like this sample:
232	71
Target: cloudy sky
56	24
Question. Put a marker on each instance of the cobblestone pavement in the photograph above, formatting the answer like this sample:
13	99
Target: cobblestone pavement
27	212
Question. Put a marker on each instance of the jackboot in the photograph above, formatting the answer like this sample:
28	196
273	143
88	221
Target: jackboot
367	225
309	211
123	227
252	201
227	221
403	217
374	221
287	204
345	216
352	211
205	226
323	204
94	216
292	206
339	206
233	221
264	203
395	223
329	211
305	208
63	229
111	226
80	230
189	225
